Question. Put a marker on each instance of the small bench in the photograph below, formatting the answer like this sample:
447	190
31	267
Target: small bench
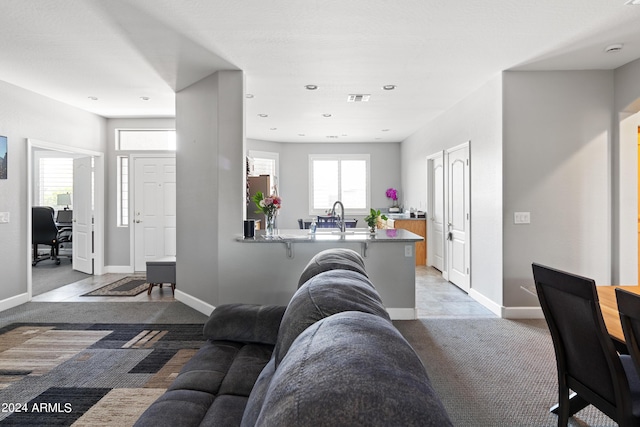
160	271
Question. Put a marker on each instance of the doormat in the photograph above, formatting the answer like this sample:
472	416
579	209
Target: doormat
129	286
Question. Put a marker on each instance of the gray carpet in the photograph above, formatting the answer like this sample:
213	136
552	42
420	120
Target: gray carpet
101	312
493	372
488	372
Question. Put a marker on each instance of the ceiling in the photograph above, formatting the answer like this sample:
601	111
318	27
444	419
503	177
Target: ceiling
133	55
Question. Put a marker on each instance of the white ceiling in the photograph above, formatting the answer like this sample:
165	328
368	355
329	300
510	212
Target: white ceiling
435	51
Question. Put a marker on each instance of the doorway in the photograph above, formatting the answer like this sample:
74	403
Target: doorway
88	170
449	221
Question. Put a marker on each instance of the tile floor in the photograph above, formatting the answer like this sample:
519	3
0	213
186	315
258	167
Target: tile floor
435	297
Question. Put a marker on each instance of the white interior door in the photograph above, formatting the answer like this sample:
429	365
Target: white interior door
82	235
436	232
154	213
458	216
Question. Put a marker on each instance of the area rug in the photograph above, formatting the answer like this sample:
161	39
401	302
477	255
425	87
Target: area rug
89	374
129	286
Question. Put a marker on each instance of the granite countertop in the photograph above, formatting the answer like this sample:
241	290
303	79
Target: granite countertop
334	235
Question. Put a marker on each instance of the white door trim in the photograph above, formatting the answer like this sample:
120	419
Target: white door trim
431	237
98	255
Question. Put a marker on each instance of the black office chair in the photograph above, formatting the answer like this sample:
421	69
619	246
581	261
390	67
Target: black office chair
44	232
586	359
629	309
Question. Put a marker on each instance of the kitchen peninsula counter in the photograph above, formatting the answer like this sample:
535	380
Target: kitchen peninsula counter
389	257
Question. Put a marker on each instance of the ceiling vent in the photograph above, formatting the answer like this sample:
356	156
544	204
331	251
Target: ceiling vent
358	98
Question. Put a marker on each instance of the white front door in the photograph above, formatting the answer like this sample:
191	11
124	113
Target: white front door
82	234
436	232
154	209
458	216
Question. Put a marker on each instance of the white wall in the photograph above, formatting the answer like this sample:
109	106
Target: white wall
478	119
625	172
25	114
294	174
557	165
117	239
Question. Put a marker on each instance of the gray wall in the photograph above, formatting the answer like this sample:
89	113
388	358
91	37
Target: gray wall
25	114
117	239
557	143
210	184
478	119
294	174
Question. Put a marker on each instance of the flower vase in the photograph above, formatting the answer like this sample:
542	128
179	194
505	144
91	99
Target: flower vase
270	225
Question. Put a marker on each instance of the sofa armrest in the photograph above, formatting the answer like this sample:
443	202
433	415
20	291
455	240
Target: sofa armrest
245	323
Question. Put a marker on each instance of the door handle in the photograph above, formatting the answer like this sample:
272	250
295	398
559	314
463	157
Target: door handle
138	221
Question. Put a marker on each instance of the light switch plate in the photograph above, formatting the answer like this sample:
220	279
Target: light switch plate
4	217
522	217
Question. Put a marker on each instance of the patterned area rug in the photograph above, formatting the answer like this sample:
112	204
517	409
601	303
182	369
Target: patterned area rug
129	286
89	374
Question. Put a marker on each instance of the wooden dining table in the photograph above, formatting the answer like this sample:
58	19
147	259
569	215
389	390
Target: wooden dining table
609	308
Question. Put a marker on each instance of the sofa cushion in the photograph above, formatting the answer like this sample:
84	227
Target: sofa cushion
351	369
332	259
244	323
258	394
325	294
177	408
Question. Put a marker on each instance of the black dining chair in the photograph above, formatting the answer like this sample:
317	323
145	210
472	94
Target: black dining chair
586	358
629	309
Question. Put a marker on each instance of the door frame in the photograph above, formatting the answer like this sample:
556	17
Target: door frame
430	211
132	186
98	201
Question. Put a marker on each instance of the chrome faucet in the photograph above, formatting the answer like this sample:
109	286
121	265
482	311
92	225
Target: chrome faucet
341	220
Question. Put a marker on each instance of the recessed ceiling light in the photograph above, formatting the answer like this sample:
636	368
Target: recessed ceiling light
332	136
249	95
389	87
326	115
273	128
386	130
302	134
311	87
93	98
263	115
617	47
145	98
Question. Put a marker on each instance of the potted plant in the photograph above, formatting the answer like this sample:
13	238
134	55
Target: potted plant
392	194
373	218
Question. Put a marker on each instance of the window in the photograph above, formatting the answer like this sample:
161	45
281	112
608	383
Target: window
146	139
339	177
123	191
55	178
265	163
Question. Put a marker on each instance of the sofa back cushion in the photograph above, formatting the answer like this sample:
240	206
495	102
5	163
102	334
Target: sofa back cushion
333	259
321	296
351	369
244	323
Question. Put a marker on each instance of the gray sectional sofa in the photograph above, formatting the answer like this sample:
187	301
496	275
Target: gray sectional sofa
332	357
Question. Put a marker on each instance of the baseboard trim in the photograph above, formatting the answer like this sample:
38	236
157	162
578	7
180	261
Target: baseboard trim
489	304
119	269
402	313
195	303
14	301
522	313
